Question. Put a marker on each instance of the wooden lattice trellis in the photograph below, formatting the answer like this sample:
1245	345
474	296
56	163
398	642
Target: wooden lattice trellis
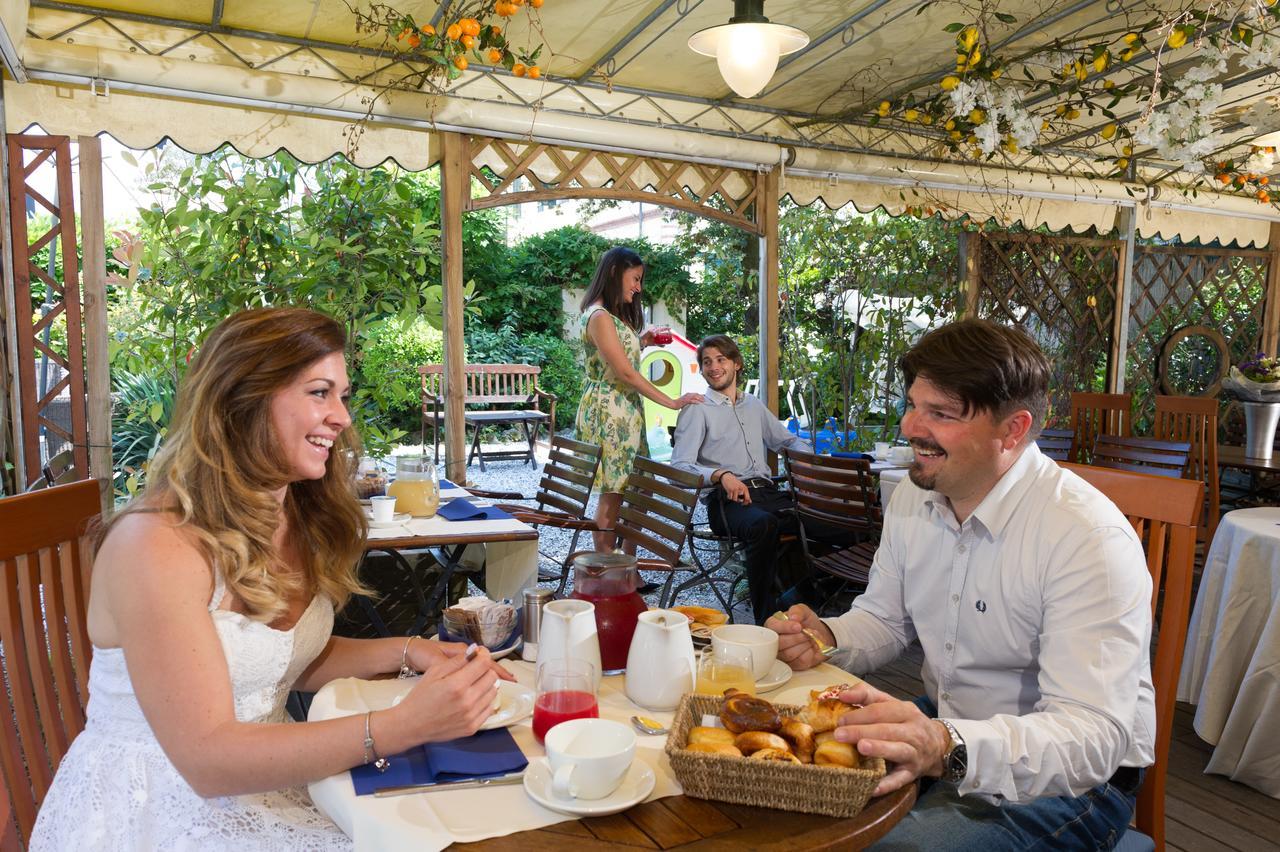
1061	291
556	172
1176	286
26	154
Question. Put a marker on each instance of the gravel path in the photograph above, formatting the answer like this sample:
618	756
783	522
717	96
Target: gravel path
554	543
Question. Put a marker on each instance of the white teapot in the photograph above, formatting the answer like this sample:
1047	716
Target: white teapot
660	664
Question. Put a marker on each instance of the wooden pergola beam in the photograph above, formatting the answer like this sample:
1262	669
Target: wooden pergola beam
455	182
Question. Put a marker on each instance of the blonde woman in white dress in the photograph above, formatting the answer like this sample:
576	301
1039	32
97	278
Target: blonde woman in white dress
213	596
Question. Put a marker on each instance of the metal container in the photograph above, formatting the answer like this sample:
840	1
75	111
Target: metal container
534	601
1260	419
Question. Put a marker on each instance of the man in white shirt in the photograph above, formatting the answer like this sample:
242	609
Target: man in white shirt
1029	594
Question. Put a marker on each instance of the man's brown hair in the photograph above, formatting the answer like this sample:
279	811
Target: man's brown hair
985	366
723	344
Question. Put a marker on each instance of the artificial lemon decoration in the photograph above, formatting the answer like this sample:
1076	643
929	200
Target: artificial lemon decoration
1109	131
950	82
1177	39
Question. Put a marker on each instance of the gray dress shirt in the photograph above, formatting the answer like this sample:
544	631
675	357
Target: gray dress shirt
735	437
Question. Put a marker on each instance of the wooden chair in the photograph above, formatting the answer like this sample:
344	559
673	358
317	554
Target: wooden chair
1142	455
44	584
562	496
657	504
1094	414
1164	512
1194	419
1055	443
836	492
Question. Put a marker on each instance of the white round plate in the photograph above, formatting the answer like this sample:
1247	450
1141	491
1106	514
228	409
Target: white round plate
777	676
396	519
636	786
515	704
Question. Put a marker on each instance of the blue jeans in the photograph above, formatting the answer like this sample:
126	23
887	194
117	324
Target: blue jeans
943	819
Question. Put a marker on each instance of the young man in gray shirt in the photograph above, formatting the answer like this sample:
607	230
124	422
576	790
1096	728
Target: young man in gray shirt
727	440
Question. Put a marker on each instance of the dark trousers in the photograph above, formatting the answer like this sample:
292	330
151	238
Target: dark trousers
759	526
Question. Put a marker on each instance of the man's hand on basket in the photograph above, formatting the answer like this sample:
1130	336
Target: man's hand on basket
910	742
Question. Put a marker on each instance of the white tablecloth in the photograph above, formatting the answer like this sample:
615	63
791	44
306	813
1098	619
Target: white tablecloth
510	566
431	821
1231	667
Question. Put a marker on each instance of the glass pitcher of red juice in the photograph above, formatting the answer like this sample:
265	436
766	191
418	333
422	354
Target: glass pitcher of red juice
610	580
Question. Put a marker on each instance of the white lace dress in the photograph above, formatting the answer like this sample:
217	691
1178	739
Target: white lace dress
116	789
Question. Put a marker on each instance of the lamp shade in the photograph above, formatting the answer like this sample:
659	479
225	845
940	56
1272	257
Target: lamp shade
748	53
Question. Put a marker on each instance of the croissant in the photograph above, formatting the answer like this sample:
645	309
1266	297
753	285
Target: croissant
824	714
725	749
749	742
800	736
774	754
834	753
743	712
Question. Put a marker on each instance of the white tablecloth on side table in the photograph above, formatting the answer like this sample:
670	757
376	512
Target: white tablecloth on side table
431	821
1231	667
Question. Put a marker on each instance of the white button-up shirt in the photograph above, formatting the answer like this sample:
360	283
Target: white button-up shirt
1035	619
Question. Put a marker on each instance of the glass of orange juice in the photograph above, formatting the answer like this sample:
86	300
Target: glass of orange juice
417	486
724	668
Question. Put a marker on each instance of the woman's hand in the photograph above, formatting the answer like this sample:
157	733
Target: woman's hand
655	335
452	699
424	655
688	399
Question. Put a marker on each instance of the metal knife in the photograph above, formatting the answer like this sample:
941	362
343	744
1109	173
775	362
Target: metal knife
496	781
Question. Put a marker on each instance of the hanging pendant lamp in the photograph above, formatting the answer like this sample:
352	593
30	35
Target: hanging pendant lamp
747	48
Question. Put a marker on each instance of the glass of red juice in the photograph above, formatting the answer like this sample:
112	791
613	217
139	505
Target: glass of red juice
661	336
565	690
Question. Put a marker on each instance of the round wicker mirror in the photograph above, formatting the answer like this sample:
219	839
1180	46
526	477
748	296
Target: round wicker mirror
1193	362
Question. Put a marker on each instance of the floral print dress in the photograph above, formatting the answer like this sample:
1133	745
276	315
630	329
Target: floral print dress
611	413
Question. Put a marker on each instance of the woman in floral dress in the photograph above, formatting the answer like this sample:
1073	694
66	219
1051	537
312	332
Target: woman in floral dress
611	412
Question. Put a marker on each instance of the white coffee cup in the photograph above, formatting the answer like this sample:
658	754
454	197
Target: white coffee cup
760	641
881	450
383	509
589	757
902	454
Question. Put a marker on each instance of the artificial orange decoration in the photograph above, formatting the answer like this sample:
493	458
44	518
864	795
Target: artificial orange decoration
454	32
518	69
460	62
414	40
470	26
428	30
495	55
537	4
534	72
468	41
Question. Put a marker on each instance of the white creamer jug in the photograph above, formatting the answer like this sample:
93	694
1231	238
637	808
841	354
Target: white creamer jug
660	666
569	633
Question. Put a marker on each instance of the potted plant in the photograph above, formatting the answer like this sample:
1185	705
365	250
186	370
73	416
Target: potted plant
1256	384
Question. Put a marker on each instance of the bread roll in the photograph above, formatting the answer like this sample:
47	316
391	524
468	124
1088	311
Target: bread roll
703	734
825	736
800	736
774	754
752	741
833	753
725	749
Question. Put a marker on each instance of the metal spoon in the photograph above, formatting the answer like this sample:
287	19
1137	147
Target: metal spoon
823	648
647	726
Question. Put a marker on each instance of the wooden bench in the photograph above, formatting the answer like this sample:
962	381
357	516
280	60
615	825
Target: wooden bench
504	385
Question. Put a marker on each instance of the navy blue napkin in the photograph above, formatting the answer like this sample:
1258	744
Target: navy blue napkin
841	455
444	483
482	755
462	509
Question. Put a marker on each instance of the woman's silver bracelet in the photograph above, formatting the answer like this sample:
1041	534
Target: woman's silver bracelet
405	671
379	763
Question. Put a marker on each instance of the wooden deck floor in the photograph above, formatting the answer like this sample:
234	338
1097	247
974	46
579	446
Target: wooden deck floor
1202	812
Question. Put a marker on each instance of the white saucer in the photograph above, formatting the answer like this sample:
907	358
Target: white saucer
777	676
396	520
636	786
515	703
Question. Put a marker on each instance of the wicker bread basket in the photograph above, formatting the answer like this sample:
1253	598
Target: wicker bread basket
827	790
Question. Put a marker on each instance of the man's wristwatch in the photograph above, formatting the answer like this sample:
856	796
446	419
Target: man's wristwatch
955	763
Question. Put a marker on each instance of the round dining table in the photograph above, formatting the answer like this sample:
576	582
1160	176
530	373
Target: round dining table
1231	665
